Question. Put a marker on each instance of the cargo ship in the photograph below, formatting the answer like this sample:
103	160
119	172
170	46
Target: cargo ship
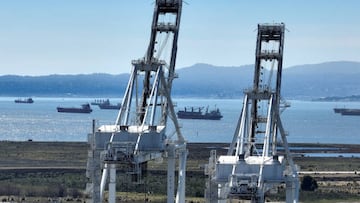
24	101
197	113
107	105
347	112
85	108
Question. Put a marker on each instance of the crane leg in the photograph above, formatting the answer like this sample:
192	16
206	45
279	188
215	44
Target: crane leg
180	196
112	184
171	174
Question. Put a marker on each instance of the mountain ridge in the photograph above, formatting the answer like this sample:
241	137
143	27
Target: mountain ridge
308	81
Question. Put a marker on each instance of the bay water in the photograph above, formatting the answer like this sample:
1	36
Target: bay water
305	121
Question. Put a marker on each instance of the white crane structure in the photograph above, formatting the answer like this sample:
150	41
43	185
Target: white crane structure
140	132
253	165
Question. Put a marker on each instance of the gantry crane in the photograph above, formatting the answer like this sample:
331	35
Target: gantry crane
253	164
140	131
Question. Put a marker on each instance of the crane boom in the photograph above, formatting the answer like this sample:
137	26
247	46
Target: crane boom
139	134
252	165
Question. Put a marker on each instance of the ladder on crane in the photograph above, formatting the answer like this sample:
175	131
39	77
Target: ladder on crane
140	130
253	165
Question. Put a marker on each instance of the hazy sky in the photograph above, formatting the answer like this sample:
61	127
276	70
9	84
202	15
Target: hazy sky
40	37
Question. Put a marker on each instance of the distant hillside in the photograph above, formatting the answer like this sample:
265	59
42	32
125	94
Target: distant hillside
200	80
303	82
322	80
335	98
204	80
63	85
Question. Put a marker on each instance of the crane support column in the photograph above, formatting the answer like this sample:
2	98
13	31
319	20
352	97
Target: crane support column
252	165
139	134
112	183
180	196
171	174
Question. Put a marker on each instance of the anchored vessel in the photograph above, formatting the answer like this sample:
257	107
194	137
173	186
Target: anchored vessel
347	112
351	112
24	101
107	105
339	110
197	113
248	171
98	101
85	108
139	132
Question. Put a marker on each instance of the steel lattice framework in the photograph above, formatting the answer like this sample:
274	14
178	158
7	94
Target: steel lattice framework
140	130
253	165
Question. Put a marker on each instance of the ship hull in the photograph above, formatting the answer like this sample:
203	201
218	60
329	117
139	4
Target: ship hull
197	115
73	110
347	112
116	107
24	101
85	108
351	112
203	117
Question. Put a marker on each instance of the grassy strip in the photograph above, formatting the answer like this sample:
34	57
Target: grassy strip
69	183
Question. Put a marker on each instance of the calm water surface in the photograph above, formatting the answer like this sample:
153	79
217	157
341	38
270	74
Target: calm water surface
305	121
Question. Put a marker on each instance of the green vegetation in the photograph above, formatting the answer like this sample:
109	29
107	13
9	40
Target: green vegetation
308	183
48	183
328	163
327	197
43	154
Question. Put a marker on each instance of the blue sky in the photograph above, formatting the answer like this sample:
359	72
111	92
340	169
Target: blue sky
40	37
